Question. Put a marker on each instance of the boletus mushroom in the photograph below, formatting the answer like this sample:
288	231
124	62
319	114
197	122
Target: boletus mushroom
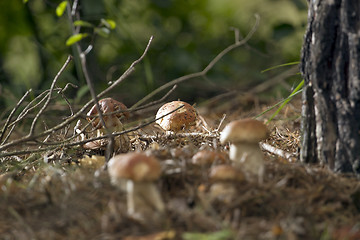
109	108
224	179
136	174
244	137
178	120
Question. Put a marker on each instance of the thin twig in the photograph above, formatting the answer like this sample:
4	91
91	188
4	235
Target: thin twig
66	143
82	110
205	70
119	80
32	128
96	100
27	108
89	82
61	92
221	122
273	81
278	152
12	114
74	8
128	71
82	131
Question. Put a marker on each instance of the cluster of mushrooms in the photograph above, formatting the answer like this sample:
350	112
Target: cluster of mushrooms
137	172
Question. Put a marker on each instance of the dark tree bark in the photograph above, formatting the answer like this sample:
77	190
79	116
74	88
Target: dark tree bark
330	66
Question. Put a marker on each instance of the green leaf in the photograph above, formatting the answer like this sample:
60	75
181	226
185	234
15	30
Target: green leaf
82	23
108	23
75	38
104	32
293	93
283	102
25	1
281	65
60	9
220	235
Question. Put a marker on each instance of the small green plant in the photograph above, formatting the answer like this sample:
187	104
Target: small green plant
282	103
220	235
102	29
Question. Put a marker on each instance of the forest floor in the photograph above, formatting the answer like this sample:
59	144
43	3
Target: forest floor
74	199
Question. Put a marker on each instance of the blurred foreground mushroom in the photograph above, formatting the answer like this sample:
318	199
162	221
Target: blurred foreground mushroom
179	120
244	137
108	107
135	173
224	178
208	157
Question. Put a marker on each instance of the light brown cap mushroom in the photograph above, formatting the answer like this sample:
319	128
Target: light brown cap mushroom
244	130
226	173
178	120
134	166
107	105
207	157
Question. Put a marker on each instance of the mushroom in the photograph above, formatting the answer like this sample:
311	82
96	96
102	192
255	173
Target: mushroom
208	157
223	178
108	105
112	122
135	173
181	119
244	137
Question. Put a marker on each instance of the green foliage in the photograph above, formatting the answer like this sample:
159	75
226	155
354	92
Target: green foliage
281	65
220	235
187	35
76	38
108	23
283	102
297	90
102	30
61	8
80	23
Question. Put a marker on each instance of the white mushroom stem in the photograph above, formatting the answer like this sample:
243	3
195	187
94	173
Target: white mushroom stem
249	157
122	143
120	183
143	197
113	124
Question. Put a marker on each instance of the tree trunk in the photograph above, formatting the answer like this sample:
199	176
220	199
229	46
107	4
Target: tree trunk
330	66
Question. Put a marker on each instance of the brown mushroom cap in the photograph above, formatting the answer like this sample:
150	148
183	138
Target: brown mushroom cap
225	173
107	105
178	120
134	166
244	130
207	157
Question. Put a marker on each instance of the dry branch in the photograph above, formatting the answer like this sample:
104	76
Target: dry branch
11	115
237	43
81	111
67	143
34	137
279	152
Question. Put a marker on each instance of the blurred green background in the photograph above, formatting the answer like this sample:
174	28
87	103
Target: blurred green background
187	36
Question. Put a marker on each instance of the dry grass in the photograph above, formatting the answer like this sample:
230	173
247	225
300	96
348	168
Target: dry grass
63	199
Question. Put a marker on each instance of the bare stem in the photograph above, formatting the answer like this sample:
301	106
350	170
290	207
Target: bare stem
12	114
66	142
206	69
46	104
279	152
82	110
